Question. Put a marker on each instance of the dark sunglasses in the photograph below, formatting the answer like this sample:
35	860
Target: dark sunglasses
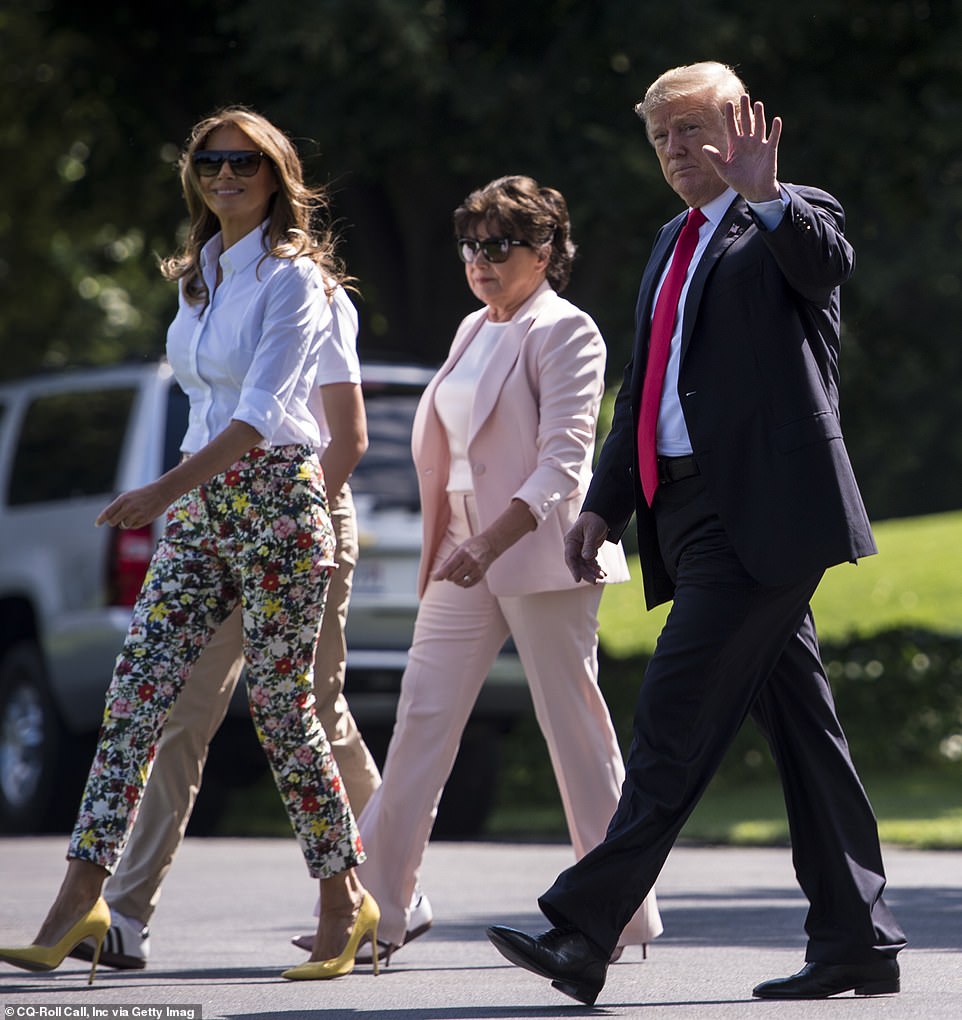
243	162
494	249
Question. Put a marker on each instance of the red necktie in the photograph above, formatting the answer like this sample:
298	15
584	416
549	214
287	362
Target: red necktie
659	345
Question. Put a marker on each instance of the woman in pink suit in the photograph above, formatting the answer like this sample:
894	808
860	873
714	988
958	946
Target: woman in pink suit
503	441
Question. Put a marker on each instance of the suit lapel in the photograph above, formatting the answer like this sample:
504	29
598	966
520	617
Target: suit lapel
735	222
664	246
428	430
504	355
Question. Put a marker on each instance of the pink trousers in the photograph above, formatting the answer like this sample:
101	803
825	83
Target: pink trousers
457	637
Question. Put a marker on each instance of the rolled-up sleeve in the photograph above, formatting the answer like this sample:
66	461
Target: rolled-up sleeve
284	361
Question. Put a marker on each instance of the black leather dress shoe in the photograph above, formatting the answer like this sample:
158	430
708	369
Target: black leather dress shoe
820	980
565	956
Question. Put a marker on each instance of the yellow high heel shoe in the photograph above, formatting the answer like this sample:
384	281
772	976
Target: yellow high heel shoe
93	924
320	970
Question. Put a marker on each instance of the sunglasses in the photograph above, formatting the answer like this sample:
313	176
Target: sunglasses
243	162
494	249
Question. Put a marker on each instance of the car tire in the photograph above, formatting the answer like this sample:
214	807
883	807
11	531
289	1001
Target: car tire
30	738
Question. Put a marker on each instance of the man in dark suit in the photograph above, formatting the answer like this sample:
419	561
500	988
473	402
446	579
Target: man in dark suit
743	495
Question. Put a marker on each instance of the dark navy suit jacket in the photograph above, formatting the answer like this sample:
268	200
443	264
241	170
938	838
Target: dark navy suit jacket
758	384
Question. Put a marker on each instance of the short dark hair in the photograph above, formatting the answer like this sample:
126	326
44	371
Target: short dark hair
518	207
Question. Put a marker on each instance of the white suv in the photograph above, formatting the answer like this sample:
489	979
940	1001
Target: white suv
68	442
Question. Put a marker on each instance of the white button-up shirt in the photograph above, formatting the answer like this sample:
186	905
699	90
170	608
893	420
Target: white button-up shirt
672	434
251	354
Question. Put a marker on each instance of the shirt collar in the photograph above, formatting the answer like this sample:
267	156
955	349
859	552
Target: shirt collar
239	255
714	211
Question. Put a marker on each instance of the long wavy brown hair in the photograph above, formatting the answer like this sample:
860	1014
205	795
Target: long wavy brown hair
298	214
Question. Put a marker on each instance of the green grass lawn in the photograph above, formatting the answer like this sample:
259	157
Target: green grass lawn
916	579
922	810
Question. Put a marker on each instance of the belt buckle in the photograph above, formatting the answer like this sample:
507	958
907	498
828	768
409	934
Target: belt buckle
666	472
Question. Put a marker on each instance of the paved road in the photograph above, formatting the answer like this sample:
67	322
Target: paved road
732	918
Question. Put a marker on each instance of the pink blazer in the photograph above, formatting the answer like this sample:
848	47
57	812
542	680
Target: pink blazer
532	437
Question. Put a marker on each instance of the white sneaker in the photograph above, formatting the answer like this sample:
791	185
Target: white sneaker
420	917
126	946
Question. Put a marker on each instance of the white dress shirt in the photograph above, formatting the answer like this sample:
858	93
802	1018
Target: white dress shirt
252	353
672	438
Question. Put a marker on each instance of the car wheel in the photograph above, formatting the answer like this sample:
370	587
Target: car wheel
30	734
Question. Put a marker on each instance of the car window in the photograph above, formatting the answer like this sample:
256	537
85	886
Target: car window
69	446
386	474
178	409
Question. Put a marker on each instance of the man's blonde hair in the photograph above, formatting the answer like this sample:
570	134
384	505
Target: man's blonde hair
708	76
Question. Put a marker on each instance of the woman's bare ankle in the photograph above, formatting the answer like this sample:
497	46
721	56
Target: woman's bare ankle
341	893
79	891
341	899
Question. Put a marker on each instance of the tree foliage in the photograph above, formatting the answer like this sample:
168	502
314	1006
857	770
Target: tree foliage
403	106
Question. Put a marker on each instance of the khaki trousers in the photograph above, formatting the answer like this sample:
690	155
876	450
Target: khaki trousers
134	889
457	637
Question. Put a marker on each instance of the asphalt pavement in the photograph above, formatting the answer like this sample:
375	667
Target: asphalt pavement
220	938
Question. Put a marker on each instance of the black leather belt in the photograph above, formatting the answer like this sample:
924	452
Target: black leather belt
674	469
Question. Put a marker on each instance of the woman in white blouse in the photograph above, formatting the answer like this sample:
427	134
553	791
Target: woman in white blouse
247	524
503	441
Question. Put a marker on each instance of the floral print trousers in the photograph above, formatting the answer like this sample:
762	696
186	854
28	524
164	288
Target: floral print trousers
259	535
